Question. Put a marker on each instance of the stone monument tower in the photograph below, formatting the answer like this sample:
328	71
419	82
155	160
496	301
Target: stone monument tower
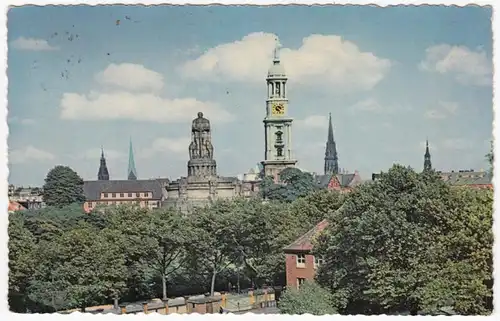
201	164
277	123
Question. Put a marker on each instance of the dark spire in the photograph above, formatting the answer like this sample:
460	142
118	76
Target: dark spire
132	172
103	174
427	157
331	159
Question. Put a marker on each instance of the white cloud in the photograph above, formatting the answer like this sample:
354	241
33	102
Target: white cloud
141	106
167	146
32	44
324	60
29	154
368	105
466	65
456	144
22	121
131	77
313	121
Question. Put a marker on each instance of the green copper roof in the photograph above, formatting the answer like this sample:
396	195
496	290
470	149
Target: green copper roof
132	172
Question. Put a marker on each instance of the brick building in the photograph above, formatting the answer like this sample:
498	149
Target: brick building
301	264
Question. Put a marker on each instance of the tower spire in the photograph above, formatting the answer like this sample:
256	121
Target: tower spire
331	158
103	174
277	45
427	157
132	172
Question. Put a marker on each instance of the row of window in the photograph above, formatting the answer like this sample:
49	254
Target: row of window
301	261
151	203
122	195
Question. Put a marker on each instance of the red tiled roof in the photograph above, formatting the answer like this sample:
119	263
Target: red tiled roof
304	243
15	206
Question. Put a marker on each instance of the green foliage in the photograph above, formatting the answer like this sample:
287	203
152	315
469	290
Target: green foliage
401	243
309	299
295	184
63	187
21	266
407	243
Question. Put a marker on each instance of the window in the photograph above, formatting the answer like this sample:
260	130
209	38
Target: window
279	152
122	195
318	261
137	194
113	195
105	195
146	194
90	204
301	260
300	281
129	194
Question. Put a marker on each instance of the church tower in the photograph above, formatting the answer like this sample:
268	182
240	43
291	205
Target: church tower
427	157
331	158
132	172
277	123
103	174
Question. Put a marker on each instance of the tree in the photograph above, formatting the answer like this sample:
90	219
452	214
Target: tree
309	299
63	187
215	229
465	266
315	207
21	264
172	235
389	248
294	184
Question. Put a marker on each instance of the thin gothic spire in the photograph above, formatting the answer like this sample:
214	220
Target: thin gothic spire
103	173
427	157
331	158
132	172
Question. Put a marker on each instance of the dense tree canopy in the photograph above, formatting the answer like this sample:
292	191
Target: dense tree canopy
310	298
409	243
63	187
294	184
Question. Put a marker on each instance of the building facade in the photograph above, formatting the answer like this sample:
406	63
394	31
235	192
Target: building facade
301	264
143	193
277	123
202	185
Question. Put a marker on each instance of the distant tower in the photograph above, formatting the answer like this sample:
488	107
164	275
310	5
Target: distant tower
103	174
201	162
331	158
277	125
427	157
132	172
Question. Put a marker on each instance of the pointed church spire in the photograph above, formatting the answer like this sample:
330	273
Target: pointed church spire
103	174
427	157
331	159
132	172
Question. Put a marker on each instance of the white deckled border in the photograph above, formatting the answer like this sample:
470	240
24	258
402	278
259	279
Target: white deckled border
6	315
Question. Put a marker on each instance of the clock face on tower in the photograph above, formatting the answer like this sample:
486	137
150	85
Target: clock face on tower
278	110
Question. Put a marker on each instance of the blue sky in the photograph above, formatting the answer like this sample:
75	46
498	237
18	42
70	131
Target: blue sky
391	77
